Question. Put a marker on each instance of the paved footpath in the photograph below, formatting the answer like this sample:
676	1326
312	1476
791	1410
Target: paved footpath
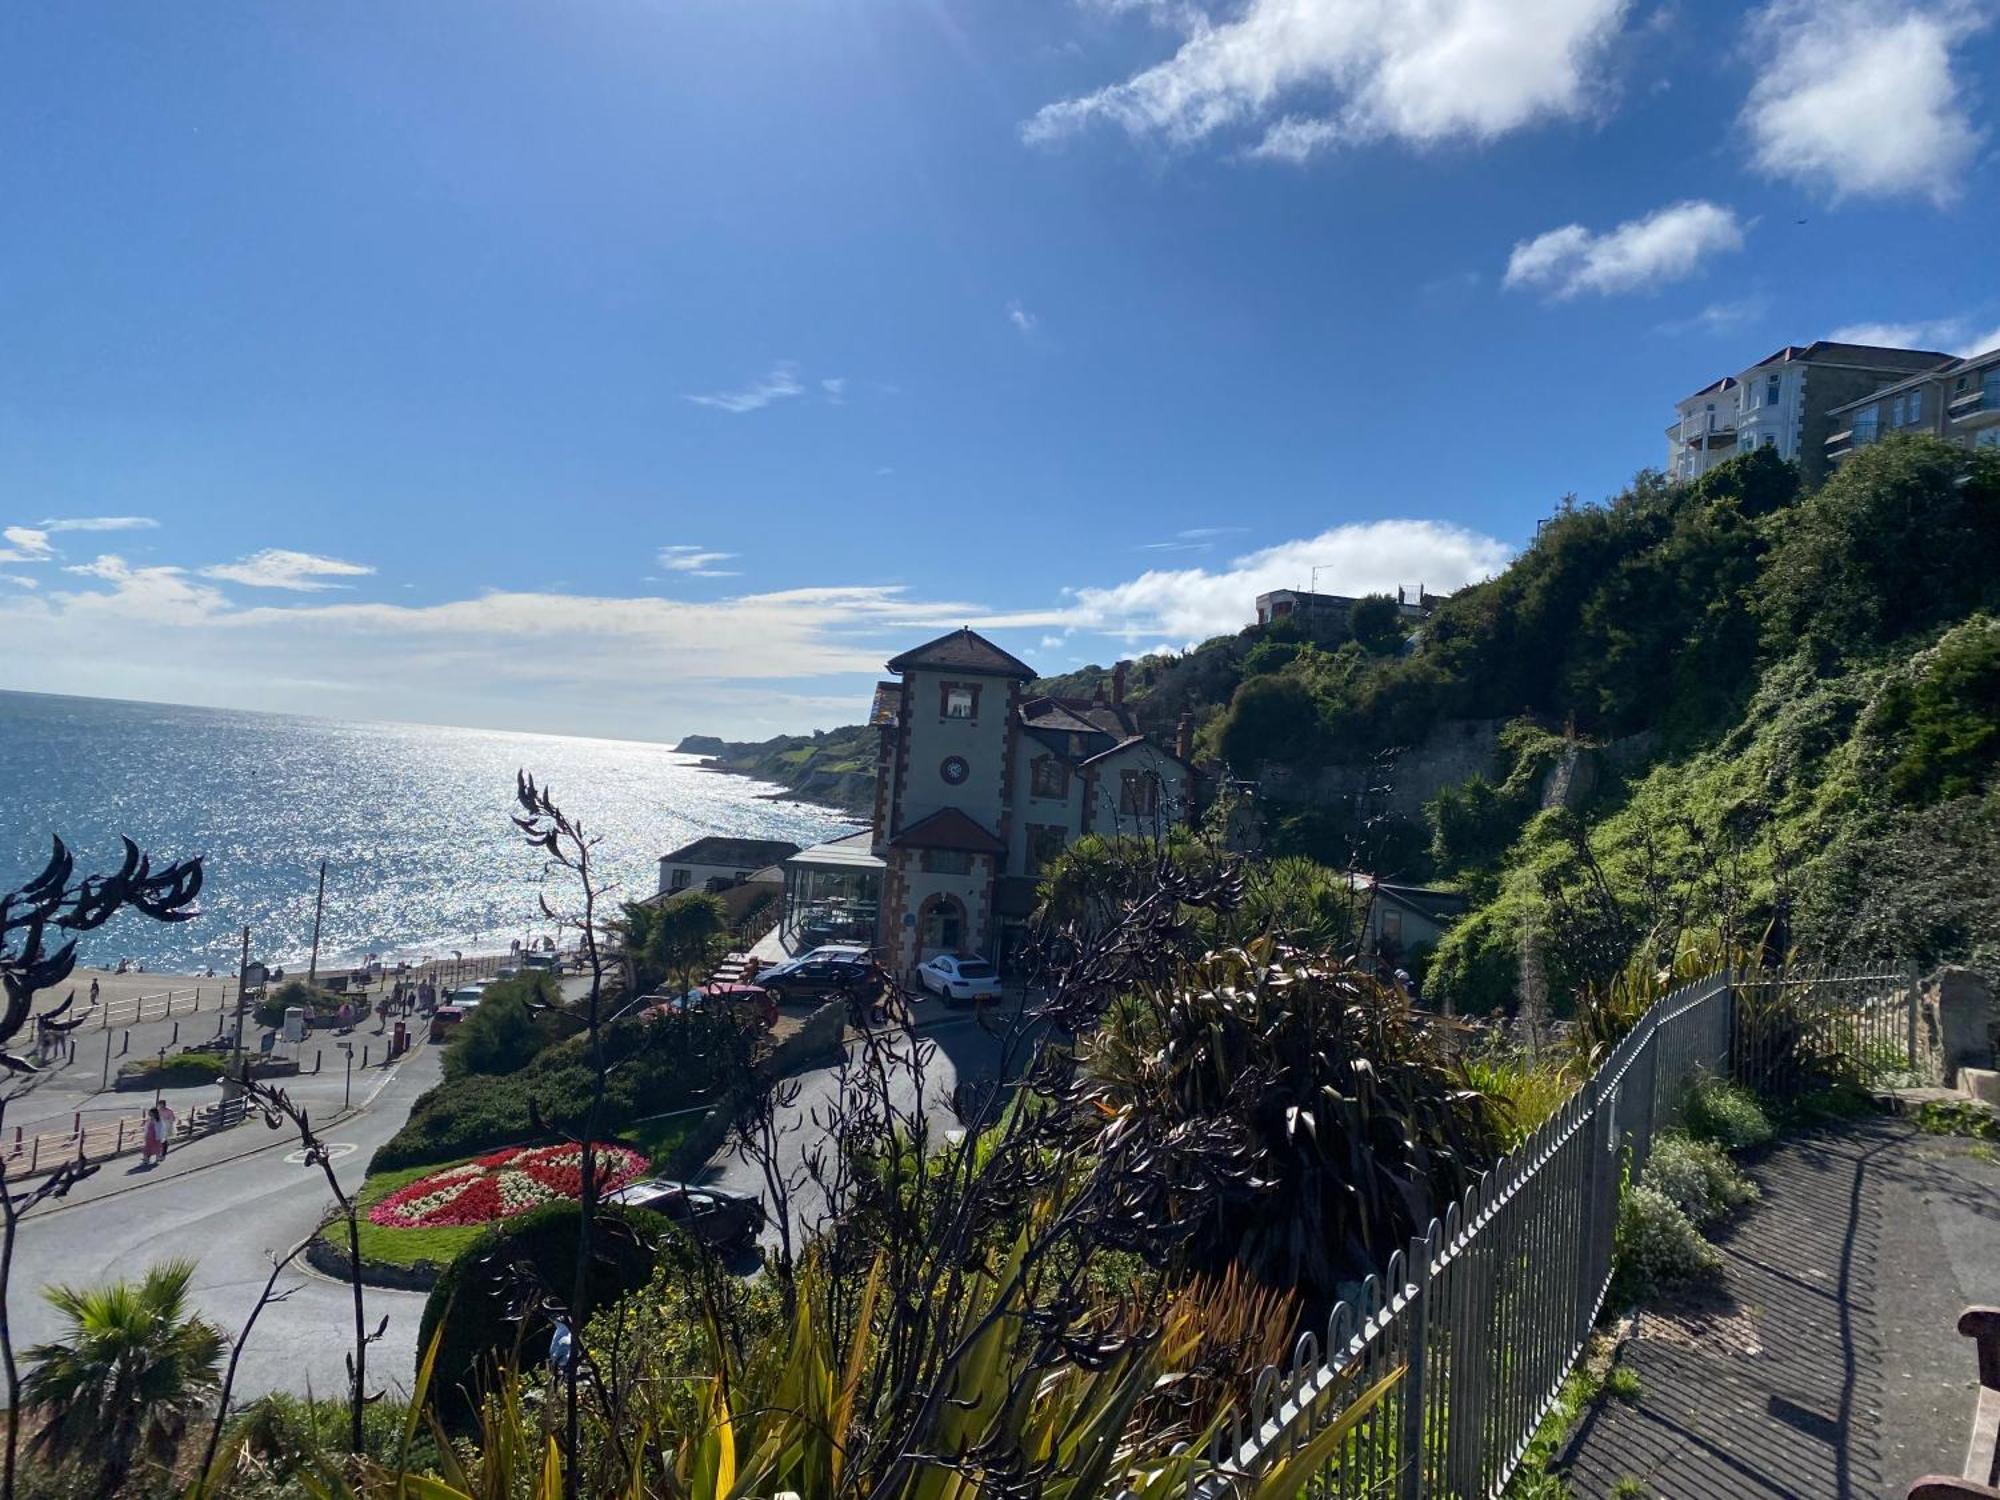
1828	1365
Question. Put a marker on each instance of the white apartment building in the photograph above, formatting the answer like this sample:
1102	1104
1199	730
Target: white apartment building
1785	402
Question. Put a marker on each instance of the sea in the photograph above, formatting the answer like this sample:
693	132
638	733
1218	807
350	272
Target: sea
411	819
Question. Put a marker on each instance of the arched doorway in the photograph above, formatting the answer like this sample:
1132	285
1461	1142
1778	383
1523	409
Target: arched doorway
941	927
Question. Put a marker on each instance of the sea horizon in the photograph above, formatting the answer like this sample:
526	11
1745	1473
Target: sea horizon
413	819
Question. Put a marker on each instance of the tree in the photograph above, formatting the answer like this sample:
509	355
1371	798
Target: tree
1377	623
123	1383
673	940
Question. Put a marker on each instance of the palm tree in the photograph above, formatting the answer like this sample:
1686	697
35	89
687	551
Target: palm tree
136	1365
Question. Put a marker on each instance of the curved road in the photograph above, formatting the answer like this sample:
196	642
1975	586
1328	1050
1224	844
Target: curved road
229	1212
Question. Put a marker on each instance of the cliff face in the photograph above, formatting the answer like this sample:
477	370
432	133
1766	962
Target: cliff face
834	768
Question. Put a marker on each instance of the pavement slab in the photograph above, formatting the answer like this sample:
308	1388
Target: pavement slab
1826	1363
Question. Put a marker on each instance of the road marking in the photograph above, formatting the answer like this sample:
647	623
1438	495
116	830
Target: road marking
335	1150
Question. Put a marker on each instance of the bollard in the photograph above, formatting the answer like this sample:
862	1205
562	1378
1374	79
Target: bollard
126	1045
76	1122
316	1056
176	1036
17	1140
119	1149
364	1054
34	1153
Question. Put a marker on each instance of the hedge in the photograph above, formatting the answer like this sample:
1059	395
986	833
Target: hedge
661	1064
183	1068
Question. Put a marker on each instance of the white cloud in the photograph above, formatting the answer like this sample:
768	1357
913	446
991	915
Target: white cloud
25	544
1021	318
700	563
100	523
1191	604
1667	245
780	385
16	578
1952	335
835	389
278	568
1859	99
1420	71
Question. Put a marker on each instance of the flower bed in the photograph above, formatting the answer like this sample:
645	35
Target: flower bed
501	1185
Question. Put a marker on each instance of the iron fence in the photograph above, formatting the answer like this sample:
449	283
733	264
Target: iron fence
1478	1323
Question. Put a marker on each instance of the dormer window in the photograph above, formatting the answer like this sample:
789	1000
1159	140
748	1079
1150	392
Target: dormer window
1048	777
958	700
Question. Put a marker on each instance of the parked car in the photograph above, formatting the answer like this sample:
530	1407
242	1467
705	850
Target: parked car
804	978
959	978
714	1216
849	951
443	1019
541	963
466	996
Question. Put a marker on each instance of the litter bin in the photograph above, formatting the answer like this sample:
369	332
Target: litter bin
402	1040
295	1023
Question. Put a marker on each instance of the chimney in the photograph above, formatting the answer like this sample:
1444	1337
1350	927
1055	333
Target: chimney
1184	737
1118	681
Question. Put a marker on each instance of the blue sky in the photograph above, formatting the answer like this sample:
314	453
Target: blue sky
635	367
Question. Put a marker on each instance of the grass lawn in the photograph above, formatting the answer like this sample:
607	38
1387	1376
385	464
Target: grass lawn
404	1247
657	1139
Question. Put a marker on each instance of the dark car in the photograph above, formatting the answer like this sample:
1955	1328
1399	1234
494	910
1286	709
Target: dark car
805	978
720	1219
749	1000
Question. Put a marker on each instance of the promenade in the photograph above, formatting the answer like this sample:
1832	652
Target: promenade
1827	1364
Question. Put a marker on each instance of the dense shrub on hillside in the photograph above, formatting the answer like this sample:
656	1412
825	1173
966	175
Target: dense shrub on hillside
319	1005
657	1064
1937	720
515	1021
489	1300
1905	537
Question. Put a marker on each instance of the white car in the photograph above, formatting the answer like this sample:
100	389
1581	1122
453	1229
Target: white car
959	978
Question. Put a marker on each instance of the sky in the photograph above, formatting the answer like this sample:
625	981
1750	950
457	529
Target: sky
648	367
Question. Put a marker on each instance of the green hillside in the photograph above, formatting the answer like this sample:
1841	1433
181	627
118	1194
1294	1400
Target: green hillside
1804	691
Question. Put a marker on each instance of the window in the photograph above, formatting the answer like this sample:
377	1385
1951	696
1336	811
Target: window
1916	407
680	880
1896	412
1048	777
1770	440
958	700
1045	842
1771	391
948	861
1138	793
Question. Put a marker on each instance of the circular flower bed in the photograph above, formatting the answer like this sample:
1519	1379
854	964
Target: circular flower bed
502	1185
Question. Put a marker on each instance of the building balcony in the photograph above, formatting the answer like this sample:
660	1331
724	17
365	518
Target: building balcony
1859	434
1978	407
1712	438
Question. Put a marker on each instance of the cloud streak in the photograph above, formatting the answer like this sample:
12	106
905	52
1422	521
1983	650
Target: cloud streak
278	568
780	385
100	523
1666	245
695	561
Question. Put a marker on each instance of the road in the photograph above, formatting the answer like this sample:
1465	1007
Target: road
948	1051
231	1212
229	1216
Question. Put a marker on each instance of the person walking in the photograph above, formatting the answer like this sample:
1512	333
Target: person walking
168	1119
149	1145
93	991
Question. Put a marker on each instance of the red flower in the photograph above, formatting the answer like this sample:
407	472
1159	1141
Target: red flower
501	1185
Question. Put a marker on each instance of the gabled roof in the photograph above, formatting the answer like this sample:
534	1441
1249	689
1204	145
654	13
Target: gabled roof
948	828
739	854
1880	355
1052	713
1132	743
962	651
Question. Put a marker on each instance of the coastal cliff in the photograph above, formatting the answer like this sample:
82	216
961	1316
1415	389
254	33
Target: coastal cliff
832	767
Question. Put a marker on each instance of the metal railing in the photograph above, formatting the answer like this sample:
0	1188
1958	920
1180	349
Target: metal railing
1480	1321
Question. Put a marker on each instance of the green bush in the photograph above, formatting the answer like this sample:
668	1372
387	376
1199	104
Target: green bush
180	1070
490	1301
289	1436
1696	1177
317	1003
506	1031
658	1064
1657	1247
1724	1114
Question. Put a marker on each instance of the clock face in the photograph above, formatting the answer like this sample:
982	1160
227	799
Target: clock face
954	770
